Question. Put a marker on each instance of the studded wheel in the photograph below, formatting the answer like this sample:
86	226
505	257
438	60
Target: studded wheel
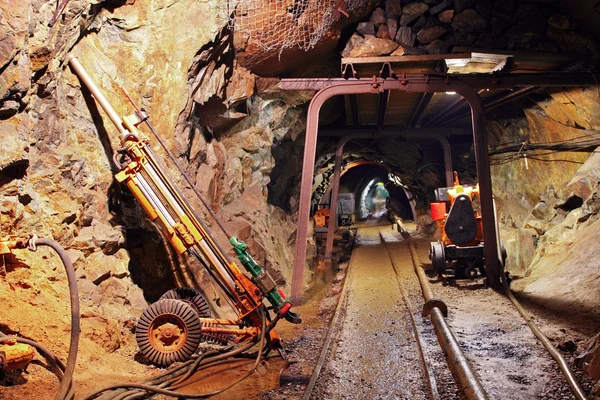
190	296
168	331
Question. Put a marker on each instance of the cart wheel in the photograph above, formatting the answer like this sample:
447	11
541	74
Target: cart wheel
190	296
168	331
470	273
438	257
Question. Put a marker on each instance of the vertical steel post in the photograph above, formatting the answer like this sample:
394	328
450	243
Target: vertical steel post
482	161
335	188
308	167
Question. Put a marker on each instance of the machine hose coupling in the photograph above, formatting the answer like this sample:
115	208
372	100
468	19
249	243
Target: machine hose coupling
31	243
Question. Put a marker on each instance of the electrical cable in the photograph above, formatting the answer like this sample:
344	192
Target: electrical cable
165	383
66	384
66	389
560	360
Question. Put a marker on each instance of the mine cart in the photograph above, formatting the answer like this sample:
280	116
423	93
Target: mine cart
461	235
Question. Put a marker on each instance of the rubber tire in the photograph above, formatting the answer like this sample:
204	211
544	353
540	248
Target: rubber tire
180	309
190	296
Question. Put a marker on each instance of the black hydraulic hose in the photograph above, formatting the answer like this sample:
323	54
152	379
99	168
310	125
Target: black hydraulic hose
47	354
66	387
157	385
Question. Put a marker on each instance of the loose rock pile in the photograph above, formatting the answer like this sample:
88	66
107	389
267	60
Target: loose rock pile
437	26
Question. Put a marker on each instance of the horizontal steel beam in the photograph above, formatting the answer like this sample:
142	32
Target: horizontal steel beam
419	82
392	130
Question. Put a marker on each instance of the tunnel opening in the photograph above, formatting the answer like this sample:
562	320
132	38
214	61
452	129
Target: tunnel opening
373	199
377	192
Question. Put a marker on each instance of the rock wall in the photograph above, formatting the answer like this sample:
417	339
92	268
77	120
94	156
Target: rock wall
437	26
547	203
56	173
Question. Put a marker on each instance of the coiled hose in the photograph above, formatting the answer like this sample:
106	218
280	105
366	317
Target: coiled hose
66	390
174	378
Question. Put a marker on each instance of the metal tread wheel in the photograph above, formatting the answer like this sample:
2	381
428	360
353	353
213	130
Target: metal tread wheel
190	296
168	331
438	257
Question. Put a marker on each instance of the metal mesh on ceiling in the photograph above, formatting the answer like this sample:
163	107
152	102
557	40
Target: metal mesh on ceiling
281	24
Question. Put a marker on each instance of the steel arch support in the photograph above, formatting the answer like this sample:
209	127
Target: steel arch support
335	184
333	87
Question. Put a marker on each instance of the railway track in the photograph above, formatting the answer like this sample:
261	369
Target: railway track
380	347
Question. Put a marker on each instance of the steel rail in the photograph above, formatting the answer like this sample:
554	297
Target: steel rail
431	381
560	360
326	350
465	377
342	302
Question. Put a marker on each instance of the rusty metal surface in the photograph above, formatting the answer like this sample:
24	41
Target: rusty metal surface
308	165
15	355
464	86
458	363
411	82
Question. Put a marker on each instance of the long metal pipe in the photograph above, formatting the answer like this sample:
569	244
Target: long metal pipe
457	361
89	83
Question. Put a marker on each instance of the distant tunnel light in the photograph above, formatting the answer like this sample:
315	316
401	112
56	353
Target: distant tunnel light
372	199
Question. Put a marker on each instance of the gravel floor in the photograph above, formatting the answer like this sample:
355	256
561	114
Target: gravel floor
374	353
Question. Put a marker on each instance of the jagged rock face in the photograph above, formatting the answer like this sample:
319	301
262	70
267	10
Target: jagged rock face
434	27
56	175
548	209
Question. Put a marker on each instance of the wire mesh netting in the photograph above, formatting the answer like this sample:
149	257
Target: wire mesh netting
281	24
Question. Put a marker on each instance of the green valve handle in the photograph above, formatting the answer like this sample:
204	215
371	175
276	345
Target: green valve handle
263	280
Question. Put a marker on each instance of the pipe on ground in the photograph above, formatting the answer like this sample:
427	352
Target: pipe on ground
459	365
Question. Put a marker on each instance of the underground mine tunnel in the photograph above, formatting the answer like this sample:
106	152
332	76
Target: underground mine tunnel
273	199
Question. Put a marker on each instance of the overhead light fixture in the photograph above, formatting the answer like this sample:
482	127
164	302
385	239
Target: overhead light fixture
450	92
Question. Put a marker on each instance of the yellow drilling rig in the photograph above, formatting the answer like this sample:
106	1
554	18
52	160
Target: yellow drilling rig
171	329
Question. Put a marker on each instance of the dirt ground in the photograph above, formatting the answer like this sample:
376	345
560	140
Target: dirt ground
508	359
503	352
34	304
